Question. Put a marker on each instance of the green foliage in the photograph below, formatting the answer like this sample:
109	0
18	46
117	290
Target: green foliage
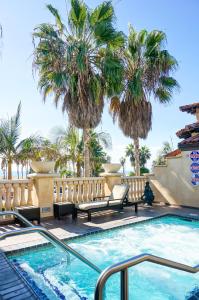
66	173
148	69
78	62
131	174
144	170
70	142
166	148
98	155
12	149
144	155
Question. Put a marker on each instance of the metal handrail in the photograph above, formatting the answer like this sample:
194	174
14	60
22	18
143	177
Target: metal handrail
16	214
123	268
47	234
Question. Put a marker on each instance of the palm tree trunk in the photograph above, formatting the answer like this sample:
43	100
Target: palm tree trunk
78	168
87	170
137	157
73	165
9	169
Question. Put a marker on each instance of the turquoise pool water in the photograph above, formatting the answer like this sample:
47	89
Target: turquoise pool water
169	237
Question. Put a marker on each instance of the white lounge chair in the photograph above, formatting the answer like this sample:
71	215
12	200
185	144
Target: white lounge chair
117	200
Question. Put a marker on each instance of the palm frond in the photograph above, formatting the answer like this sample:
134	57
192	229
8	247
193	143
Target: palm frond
55	13
78	16
102	13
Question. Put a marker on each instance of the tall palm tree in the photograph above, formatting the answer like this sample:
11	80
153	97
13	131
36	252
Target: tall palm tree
148	67
78	63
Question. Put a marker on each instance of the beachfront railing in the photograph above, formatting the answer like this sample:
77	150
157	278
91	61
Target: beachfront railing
15	193
136	186
78	190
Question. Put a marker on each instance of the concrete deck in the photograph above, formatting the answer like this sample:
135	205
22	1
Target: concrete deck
66	228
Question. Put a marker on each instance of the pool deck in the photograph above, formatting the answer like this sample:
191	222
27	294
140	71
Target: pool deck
66	228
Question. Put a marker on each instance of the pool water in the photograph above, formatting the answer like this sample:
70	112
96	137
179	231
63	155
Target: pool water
171	237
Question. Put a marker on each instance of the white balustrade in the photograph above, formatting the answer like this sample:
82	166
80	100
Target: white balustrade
14	193
136	186
78	190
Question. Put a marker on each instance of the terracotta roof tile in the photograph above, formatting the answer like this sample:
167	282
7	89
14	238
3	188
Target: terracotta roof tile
173	153
192	141
186	132
190	108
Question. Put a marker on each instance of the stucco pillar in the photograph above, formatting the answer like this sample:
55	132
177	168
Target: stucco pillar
110	180
43	192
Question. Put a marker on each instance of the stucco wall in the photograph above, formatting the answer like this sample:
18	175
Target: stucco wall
173	181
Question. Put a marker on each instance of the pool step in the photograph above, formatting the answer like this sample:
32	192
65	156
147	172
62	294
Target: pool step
12	285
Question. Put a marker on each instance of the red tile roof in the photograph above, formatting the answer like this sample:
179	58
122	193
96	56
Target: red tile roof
173	153
187	131
190	143
190	108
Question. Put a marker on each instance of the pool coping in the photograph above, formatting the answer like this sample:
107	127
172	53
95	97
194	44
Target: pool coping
82	235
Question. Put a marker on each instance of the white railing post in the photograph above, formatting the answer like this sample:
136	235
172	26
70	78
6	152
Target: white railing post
8	196
16	194
136	186
79	190
30	188
23	200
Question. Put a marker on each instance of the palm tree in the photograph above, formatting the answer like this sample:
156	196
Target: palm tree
12	149
9	137
97	142
148	66
144	155
78	63
130	153
123	161
69	142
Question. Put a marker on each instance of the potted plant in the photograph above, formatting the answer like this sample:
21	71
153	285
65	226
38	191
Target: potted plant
44	157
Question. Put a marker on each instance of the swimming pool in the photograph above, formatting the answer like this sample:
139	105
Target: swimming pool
171	237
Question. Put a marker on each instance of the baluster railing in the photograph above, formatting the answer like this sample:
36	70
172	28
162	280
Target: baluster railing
79	190
14	193
136	186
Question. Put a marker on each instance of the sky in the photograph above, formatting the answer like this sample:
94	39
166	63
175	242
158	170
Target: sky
178	19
